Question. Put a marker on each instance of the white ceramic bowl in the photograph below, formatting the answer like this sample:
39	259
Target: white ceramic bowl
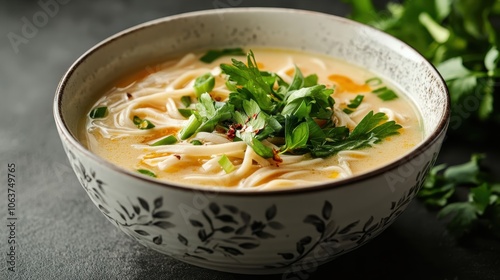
252	232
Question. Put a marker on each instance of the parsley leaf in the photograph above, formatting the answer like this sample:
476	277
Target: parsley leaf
212	55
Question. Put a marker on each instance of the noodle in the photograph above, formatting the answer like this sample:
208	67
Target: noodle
157	99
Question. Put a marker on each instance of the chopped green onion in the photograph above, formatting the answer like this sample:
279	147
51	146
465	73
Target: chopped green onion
186	100
190	128
147	172
196	142
185	112
99	112
169	140
354	103
226	164
212	55
385	93
142	124
204	83
373	82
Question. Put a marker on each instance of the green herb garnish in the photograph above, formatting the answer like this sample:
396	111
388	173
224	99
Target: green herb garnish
169	140
226	164
196	142
147	172
212	55
204	83
481	207
262	106
353	104
98	112
186	100
385	93
461	39
142	123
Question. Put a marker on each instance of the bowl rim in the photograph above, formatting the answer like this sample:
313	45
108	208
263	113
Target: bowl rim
421	148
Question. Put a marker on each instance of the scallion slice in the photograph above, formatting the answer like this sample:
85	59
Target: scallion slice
147	172
98	112
169	140
226	164
142	123
204	83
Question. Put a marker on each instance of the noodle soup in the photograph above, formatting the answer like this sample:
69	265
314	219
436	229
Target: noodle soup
192	121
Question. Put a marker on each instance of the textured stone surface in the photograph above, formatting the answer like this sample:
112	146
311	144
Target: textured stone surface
60	234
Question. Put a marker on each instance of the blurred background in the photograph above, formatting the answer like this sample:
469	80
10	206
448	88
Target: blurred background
61	235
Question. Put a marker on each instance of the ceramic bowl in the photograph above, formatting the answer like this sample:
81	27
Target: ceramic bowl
249	232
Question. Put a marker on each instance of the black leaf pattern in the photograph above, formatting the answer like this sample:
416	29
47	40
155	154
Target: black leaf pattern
141	232
162	215
227	219
275	225
316	221
158	203
103	209
231	250
226	229
144	204
164	224
300	248
263	235
245	217
137	209
231	209
202	235
205	249
195	223
214	208
348	228
306	240
271	212
182	239
368	223
327	210
248	245
286	256
241	230
157	240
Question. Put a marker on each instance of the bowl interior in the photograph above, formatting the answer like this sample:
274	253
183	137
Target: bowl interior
152	42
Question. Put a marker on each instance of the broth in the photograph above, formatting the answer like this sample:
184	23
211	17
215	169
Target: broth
152	97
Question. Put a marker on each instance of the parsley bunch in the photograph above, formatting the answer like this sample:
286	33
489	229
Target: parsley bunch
462	39
297	117
480	209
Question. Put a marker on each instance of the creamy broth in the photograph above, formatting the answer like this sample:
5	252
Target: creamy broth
155	93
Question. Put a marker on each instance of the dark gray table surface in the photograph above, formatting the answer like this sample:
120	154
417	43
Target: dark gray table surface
60	234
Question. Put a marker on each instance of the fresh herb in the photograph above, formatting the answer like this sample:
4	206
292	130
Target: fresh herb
142	123
385	93
98	112
353	104
480	209
207	115
186	100
262	106
461	39
185	112
212	55
196	142
147	172
204	83
226	164
169	140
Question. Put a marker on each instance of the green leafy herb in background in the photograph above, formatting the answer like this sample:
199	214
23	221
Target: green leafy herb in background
479	209
462	39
